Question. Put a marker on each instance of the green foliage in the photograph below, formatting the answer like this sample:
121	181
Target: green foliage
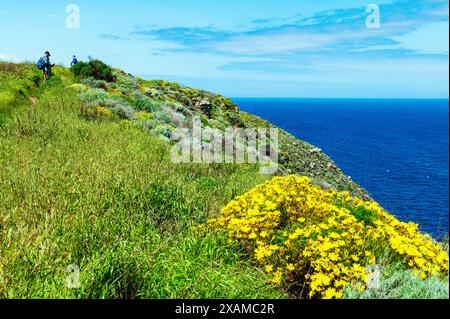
83	70
98	97
16	83
95	69
164	129
92	82
105	196
143	103
361	213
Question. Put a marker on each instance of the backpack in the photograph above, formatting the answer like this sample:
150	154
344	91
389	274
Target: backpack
41	63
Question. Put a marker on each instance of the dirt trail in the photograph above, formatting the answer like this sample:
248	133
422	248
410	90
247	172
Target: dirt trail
33	100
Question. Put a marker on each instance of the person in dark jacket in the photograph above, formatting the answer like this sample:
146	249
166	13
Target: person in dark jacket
47	66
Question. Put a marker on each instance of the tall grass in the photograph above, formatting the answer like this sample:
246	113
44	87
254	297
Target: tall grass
104	195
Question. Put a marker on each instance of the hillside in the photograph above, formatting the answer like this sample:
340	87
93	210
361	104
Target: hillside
165	106
86	180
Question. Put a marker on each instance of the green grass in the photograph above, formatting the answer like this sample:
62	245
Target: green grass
16	80
361	213
104	195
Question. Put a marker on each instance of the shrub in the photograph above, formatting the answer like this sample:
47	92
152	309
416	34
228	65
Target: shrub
163	117
115	92
143	103
116	104
95	69
307	238
94	96
168	115
164	129
127	81
82	69
397	282
177	107
98	113
98	84
123	111
143	116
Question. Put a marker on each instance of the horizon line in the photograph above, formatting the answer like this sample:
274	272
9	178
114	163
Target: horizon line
341	98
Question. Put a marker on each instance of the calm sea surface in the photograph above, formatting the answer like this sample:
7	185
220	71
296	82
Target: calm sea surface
396	149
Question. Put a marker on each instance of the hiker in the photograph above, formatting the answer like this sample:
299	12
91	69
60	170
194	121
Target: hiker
74	61
45	65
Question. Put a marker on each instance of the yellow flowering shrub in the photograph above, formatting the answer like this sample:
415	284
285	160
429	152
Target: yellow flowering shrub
115	92
320	241
99	112
145	116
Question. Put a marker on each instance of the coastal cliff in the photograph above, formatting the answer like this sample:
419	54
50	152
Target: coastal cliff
166	105
92	206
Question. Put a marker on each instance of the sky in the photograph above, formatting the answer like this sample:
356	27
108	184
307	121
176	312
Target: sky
247	48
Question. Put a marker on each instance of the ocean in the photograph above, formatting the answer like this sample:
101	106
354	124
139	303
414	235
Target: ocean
396	149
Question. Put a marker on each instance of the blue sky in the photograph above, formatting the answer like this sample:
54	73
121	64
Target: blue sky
248	48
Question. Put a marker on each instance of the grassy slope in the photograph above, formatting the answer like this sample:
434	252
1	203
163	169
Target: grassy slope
104	196
295	156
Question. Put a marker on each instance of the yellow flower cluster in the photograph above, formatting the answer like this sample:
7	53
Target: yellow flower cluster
144	116
115	92
318	241
99	112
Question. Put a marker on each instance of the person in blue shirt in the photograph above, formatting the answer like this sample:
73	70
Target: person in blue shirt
74	61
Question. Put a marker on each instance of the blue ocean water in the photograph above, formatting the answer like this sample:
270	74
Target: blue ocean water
397	149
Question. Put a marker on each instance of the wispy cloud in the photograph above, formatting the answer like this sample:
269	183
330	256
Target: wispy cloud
112	37
331	51
341	29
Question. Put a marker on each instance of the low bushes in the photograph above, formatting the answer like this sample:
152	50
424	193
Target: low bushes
98	97
94	69
143	103
397	282
98	113
319	242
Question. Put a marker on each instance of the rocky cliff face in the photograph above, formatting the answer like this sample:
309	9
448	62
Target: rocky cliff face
168	104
